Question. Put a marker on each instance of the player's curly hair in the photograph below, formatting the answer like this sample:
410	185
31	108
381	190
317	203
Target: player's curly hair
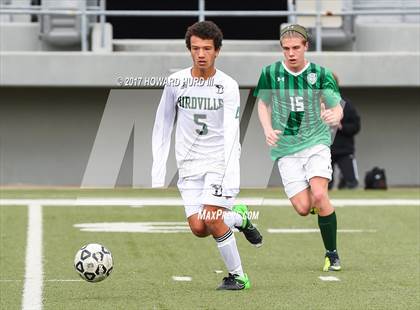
204	30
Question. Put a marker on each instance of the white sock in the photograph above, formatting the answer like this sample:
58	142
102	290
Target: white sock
232	219
229	251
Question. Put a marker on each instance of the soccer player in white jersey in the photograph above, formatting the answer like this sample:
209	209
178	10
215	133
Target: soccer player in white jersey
205	103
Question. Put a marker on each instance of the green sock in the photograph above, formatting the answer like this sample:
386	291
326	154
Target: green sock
328	226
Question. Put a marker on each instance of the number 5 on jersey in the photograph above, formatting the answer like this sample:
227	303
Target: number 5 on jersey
203	126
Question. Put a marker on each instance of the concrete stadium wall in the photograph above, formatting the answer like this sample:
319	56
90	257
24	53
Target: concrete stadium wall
47	136
76	69
387	37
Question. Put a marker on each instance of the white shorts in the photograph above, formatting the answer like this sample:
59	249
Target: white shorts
199	190
297	169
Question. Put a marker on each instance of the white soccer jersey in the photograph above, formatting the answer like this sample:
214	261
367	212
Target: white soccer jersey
207	128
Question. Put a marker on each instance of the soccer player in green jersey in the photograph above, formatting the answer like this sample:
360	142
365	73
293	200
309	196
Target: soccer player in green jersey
297	102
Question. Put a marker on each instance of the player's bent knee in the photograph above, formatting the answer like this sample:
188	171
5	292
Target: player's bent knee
214	217
213	222
302	207
200	233
199	230
319	197
303	211
197	226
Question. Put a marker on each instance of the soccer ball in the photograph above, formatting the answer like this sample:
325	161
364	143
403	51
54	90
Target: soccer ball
93	262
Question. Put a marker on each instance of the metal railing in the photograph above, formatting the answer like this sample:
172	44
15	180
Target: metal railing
201	14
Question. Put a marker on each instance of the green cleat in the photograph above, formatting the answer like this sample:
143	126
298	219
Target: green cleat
250	231
332	261
234	282
314	211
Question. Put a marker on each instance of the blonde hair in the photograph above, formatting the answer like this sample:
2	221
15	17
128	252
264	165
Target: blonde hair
292	34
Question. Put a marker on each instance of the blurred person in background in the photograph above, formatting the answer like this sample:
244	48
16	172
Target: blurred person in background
342	149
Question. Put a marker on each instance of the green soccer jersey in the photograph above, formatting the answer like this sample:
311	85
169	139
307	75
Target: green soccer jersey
295	101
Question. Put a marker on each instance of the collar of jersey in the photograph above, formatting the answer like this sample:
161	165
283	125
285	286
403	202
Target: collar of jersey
295	73
213	76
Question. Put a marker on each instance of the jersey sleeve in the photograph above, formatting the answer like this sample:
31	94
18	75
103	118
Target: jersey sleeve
231	108
161	137
263	89
330	91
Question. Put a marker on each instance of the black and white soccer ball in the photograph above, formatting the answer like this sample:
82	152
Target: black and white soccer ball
93	262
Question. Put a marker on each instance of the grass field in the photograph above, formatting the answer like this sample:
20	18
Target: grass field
381	261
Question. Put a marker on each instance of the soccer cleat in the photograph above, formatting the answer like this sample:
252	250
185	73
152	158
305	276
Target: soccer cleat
234	282
314	211
250	231
332	261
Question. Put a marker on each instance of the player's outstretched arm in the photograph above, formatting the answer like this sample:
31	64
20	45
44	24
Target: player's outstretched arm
264	114
161	137
231	111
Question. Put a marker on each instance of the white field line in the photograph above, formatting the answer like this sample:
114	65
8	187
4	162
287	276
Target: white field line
134	202
32	290
135	227
49	280
182	227
329	278
64	280
314	230
179	278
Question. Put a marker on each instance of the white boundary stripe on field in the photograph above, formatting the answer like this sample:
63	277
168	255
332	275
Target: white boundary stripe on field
135	227
328	278
314	230
50	280
182	227
179	278
178	202
64	280
32	290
